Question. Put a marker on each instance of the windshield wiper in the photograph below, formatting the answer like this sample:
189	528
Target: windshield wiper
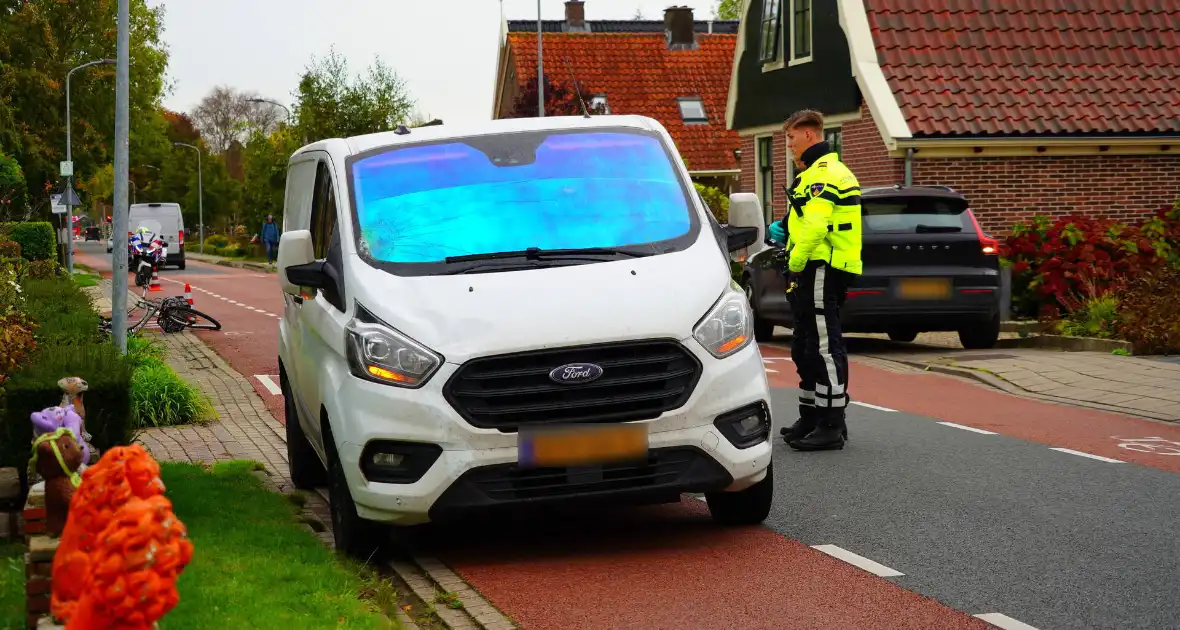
536	253
933	229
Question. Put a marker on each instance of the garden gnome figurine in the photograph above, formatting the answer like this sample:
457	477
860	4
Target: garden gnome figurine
56	457
72	388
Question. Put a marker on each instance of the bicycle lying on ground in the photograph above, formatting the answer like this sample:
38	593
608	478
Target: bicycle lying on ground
173	314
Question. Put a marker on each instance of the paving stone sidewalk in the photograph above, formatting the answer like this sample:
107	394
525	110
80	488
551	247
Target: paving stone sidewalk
1129	385
244	429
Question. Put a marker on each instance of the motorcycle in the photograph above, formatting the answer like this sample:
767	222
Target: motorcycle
147	253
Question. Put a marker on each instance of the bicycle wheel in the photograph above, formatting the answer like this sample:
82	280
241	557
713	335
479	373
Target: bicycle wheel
187	317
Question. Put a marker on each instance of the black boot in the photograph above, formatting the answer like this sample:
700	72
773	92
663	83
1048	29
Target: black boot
807	422
828	436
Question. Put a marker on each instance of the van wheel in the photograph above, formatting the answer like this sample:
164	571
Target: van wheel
356	537
307	471
180	265
981	336
747	507
904	335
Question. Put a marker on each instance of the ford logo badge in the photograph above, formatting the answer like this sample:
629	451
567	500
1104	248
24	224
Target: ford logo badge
575	373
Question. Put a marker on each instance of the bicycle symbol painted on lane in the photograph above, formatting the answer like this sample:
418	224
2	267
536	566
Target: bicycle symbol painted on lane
1149	445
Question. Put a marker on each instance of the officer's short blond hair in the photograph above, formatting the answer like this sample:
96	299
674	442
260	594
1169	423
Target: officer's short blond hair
806	119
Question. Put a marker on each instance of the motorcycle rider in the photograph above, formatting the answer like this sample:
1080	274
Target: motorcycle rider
824	245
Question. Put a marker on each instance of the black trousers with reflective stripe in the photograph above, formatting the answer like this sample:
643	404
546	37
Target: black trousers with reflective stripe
818	345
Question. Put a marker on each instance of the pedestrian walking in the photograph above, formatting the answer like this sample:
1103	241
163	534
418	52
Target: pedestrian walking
270	238
823	240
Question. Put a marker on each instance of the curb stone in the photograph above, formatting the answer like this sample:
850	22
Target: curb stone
999	383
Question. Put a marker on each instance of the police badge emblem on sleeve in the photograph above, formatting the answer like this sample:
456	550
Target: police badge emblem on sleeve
816	189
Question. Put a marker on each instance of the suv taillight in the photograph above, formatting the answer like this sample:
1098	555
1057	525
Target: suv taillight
989	245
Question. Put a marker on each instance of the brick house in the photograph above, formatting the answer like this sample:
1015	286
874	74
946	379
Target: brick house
676	70
1069	107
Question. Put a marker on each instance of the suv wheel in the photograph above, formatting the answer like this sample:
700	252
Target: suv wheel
307	471
981	336
904	335
747	507
763	330
356	537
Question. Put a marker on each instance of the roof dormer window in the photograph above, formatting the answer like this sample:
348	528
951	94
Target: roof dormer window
692	110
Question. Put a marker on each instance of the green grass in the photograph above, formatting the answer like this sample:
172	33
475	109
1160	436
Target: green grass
12	585
85	280
253	565
160	398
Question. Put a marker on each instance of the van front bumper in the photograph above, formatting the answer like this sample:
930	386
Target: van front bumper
477	468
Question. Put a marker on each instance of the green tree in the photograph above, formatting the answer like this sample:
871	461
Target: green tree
40	41
12	188
728	10
332	104
265	166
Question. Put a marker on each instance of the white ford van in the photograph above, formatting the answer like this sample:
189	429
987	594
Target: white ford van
514	313
165	221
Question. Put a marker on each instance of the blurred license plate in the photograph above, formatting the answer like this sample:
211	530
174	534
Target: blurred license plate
925	289
582	445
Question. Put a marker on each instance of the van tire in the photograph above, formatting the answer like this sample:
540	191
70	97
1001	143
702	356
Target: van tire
307	472
180	265
356	537
746	507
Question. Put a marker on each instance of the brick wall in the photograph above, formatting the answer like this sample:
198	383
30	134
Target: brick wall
1006	190
1001	190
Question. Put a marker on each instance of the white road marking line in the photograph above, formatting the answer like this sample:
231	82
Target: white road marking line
269	384
1004	621
235	302
1081	454
877	407
250	307
861	562
701	498
966	428
264	313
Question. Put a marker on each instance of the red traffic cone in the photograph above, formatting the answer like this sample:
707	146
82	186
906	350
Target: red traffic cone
188	294
156	281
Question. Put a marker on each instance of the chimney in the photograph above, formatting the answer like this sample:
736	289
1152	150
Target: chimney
679	28
575	17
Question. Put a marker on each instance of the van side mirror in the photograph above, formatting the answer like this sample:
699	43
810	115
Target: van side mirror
740	237
310	275
745	211
295	250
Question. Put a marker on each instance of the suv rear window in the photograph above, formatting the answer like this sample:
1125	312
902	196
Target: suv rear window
916	214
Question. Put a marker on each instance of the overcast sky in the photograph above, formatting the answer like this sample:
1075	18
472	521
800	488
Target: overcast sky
444	50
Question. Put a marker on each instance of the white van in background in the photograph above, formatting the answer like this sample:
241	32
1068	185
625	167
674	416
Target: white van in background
514	313
166	222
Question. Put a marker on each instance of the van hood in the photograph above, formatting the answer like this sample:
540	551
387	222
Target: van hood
471	315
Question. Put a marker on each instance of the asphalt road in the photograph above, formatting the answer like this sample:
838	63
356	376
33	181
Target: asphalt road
959	490
989	523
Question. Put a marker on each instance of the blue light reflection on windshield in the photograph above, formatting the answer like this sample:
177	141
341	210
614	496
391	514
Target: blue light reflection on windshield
604	189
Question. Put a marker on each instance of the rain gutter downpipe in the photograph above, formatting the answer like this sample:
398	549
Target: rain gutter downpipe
909	167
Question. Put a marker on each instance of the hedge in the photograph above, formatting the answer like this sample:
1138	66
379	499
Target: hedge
62	310
37	239
34	387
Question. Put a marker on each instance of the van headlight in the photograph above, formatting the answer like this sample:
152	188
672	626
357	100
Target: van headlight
381	354
728	326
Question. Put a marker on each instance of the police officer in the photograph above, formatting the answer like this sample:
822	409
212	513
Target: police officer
823	237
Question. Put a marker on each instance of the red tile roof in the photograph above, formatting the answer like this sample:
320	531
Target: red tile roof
1024	67
639	75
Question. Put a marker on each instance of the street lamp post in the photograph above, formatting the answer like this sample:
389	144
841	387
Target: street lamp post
70	158
290	116
200	195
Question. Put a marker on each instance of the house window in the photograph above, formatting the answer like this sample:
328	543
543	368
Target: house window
800	30
692	110
835	140
765	166
771	29
599	101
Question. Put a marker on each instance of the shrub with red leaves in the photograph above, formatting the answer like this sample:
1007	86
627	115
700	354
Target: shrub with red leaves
1053	262
1149	311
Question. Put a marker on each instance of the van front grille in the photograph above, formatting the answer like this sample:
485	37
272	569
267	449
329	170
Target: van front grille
640	380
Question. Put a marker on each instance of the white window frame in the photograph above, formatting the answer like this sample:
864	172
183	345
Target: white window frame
600	98
704	120
839	128
790	41
767	210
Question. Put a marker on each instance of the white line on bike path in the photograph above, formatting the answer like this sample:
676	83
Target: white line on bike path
269	384
223	298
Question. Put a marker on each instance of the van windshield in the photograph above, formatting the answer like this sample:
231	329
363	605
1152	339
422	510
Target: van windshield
468	198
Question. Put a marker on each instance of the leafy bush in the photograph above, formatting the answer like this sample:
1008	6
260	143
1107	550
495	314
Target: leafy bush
1053	262
217	240
61	309
34	387
160	398
1097	318
42	269
16	342
1149	313
716	200
11	294
37	239
9	249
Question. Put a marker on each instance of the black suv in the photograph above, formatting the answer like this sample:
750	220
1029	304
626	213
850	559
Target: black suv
928	266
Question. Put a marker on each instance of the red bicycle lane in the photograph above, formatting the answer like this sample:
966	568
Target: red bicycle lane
948	399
